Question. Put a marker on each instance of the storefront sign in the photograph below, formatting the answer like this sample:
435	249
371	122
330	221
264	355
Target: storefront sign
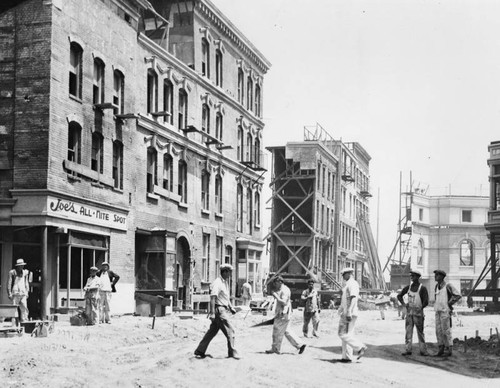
88	214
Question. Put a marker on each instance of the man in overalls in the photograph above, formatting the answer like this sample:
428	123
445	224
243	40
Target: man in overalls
446	296
418	299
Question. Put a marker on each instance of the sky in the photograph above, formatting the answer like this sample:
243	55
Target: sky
415	82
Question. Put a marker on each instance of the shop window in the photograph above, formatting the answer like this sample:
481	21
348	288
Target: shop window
75	70
466	215
152	178
183	109
205	58
118	164
118	92
152	92
150	262
218	194
168	172
249	93
218	126
168	101
205	118
239	208
420	252
218	68
240	85
182	181
205	190
97	152
74	142
98	82
466	253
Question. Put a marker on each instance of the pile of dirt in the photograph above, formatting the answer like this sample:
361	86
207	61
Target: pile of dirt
477	344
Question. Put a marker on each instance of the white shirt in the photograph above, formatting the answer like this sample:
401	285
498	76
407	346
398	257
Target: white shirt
220	289
350	289
105	282
441	303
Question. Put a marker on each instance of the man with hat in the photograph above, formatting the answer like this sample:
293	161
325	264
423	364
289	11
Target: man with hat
108	280
446	295
311	309
282	315
418	299
220	307
348	315
91	289
18	287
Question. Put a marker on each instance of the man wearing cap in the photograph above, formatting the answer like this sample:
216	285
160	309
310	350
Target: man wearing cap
91	289
283	313
418	299
311	309
108	280
18	287
220	307
446	295
348	315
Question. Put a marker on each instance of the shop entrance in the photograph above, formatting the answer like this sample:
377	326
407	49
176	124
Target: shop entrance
183	272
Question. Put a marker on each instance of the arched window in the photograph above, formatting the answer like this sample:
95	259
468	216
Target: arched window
168	172
205	58
98	82
239	208
256	151
241	83
240	146
152	103
97	152
75	70
420	252
218	126
249	210
466	253
249	93
218	67
218	194
205	190
74	142
257	100
118	164
205	118
182	180
168	101
183	109
152	177
118	91
249	146
257	208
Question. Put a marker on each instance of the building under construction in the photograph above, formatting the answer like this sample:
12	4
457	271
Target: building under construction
320	213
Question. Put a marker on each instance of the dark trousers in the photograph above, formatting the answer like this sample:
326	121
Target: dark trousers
220	322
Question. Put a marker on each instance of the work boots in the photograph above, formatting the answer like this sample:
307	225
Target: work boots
440	351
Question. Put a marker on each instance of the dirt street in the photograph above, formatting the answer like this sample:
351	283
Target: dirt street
129	353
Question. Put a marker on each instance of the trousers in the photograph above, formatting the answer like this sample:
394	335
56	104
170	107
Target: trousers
105	297
92	307
220	322
280	330
22	302
443	329
308	316
346	334
416	321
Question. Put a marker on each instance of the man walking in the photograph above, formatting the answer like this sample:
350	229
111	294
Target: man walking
220	307
446	296
418	299
282	316
311	309
108	280
348	315
18	287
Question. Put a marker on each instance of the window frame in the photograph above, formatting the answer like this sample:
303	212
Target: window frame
168	101
97	153
118	164
168	172
219	68
152	170
75	76
461	253
152	92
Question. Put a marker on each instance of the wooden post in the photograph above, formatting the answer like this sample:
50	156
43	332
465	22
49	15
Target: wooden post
477	333
498	335
465	344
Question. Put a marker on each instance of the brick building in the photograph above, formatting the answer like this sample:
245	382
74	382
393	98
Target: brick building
130	131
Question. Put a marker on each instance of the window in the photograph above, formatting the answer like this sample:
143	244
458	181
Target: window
239	208
249	93
168	172
97	152
219	245
218	68
75	70
420	252
466	253
239	148
466	215
218	194
168	101
240	86
205	190
182	181
420	214
74	142
465	286
218	126
205	118
183	109
118	164
228	256
152	90
248	150
256	149
118	91
257	209
205	58
152	178
98	82
257	100
249	210
205	260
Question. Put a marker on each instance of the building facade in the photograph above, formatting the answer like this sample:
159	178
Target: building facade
130	132
448	233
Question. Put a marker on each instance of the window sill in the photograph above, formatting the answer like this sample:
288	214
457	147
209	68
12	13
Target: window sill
205	212
219	215
74	178
183	205
257	226
87	172
118	190
75	98
152	196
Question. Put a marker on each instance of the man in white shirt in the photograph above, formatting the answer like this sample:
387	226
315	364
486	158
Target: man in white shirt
348	315
220	307
92	297
108	280
246	293
18	287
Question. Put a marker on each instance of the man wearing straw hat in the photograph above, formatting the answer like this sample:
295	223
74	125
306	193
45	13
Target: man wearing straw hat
18	288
